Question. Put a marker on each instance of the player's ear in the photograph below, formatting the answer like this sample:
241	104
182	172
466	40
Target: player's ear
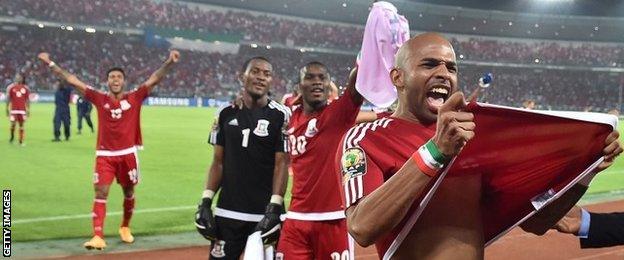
397	77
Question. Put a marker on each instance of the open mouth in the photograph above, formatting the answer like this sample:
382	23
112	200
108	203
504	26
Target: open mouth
436	96
317	91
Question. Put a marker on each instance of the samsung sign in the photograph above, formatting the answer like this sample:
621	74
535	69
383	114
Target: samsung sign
175	102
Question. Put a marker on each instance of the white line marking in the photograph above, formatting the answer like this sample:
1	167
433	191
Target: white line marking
115	213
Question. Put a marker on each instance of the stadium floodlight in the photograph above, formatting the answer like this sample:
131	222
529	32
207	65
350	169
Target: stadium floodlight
302	50
69	28
62	27
110	31
90	30
537	60
253	45
461	56
510	23
344	4
40	25
268	47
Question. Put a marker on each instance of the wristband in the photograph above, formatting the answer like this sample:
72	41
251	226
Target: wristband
51	64
277	199
208	194
429	159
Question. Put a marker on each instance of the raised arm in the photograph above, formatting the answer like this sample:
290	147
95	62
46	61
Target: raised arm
158	75
384	208
63	74
355	95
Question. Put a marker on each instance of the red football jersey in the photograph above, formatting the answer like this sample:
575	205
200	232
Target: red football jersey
290	99
18	95
119	121
370	153
313	140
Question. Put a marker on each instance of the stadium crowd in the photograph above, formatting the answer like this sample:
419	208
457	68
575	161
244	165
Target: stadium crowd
271	29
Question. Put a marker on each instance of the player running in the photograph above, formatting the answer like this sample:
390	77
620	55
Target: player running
315	226
17	106
119	133
249	167
388	164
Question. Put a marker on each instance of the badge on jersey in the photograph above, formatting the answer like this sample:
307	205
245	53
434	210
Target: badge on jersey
218	250
262	129
311	130
353	163
124	105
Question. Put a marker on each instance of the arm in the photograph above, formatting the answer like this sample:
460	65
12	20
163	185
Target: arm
280	174
63	74
366	116
355	95
384	208
551	214
158	75
215	172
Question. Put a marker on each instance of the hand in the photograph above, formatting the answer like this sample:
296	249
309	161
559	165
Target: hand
270	225
45	57
571	222
204	220
174	57
612	149
454	127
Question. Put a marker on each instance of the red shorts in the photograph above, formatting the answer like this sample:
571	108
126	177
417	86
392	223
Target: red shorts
301	239
20	118
125	168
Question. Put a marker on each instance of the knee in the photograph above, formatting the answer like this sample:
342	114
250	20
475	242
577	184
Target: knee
101	193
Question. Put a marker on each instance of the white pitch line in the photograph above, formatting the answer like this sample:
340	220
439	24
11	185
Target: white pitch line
115	213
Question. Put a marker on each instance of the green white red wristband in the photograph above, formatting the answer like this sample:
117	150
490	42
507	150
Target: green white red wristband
429	159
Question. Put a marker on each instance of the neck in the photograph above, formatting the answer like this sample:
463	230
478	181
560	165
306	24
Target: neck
404	113
311	108
117	95
251	102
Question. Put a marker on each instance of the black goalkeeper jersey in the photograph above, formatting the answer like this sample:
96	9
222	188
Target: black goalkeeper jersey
250	139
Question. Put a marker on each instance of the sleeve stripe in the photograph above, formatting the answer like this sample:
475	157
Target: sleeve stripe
346	193
352	189
360	187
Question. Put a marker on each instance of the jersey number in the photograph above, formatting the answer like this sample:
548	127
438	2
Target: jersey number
339	256
297	144
245	137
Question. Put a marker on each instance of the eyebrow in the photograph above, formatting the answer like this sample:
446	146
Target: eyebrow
437	61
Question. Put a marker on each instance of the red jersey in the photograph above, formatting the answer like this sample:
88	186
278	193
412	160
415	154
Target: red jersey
370	153
119	121
313	140
18	96
290	99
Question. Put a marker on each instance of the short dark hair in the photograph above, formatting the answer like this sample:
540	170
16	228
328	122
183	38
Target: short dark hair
247	62
310	64
116	69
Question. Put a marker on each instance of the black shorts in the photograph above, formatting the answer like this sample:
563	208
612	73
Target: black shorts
231	238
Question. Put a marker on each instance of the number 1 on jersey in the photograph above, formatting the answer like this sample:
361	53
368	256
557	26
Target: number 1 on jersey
245	137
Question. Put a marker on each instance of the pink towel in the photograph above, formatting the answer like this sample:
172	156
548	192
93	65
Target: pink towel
384	34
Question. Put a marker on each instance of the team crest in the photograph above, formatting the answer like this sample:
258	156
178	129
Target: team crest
353	163
262	129
218	249
124	105
311	130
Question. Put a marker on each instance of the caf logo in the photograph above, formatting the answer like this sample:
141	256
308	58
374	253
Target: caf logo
262	129
311	130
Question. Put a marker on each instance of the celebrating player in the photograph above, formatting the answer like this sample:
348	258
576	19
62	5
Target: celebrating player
249	166
387	165
315	226
17	106
119	133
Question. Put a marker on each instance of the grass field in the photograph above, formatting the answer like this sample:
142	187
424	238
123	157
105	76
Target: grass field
51	183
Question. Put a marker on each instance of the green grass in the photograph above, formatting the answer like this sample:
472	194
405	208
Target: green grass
55	179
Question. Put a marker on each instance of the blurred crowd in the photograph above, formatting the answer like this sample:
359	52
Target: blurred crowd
91	55
271	29
212	74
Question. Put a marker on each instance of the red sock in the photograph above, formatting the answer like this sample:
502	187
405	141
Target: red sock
99	213
21	135
128	207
